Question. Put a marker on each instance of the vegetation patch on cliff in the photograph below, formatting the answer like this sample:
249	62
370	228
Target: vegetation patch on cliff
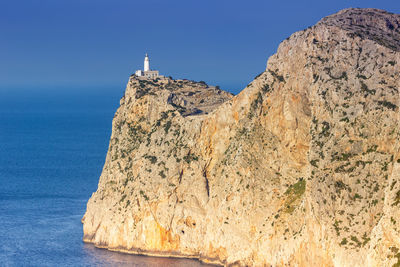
294	193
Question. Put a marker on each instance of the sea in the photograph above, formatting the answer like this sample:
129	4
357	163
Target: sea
53	144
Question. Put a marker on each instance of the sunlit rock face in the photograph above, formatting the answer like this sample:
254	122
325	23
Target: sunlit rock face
302	168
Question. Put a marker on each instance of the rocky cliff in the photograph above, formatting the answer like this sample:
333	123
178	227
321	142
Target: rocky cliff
302	168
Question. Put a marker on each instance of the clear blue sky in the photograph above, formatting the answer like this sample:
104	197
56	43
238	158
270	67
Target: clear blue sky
96	43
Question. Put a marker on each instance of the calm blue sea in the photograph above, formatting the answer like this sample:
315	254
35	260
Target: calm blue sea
52	149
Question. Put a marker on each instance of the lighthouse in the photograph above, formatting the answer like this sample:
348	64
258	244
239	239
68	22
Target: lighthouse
146	63
146	73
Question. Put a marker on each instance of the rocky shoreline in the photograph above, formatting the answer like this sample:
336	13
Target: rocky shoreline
138	251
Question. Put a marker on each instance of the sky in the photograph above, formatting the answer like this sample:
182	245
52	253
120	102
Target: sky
69	44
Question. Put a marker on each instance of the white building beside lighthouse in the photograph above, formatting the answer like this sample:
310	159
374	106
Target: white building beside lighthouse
147	72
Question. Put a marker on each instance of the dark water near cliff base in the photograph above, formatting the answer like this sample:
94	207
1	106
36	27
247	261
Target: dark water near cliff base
52	150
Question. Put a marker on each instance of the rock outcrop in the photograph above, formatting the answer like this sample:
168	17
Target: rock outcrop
302	168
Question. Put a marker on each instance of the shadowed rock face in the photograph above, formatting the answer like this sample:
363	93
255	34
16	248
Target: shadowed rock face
300	169
374	24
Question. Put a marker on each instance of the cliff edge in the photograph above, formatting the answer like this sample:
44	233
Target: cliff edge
302	168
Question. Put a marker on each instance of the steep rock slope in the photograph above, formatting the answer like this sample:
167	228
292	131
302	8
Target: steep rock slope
300	169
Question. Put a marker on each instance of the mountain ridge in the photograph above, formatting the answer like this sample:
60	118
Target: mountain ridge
300	168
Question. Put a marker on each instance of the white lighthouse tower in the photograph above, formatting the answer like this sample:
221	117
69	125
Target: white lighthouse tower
146	72
146	63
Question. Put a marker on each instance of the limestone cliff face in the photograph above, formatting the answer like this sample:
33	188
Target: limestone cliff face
302	168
